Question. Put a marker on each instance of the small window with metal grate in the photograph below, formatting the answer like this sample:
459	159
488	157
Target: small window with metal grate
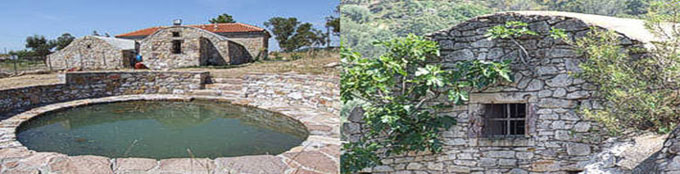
505	120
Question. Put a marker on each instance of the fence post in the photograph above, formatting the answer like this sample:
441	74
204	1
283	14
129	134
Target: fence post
16	58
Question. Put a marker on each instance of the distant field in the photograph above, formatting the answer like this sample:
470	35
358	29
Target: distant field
304	64
7	66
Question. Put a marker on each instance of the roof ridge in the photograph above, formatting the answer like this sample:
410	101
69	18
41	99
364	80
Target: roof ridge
223	27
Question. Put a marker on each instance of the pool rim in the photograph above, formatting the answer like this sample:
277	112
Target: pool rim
190	99
320	138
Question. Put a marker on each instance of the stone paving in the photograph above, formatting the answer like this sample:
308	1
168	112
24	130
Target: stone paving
316	155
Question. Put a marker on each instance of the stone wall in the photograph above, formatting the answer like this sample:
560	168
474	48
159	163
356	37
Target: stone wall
666	160
198	47
255	42
557	140
90	52
81	85
320	92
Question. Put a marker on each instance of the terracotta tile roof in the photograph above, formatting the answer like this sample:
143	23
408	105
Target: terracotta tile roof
215	28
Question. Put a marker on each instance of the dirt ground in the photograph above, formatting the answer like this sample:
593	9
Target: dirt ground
28	80
303	66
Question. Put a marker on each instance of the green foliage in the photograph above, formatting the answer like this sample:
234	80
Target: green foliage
356	13
400	90
334	23
361	37
295	56
62	41
511	29
39	45
23	53
223	18
363	25
292	35
641	93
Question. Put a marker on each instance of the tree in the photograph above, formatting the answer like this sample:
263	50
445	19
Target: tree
41	46
64	40
320	38
332	22
290	33
95	33
395	89
223	18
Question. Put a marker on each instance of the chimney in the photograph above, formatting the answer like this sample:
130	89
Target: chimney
177	22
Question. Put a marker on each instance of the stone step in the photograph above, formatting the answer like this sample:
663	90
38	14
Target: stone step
224	86
208	92
227	80
231	93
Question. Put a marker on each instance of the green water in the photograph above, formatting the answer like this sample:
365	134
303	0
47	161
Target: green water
162	129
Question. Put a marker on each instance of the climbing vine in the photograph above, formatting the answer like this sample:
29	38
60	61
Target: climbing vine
399	90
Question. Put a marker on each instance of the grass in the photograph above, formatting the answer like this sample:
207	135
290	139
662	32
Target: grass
7	66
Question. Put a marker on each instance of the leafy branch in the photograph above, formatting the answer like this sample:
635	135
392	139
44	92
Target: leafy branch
401	90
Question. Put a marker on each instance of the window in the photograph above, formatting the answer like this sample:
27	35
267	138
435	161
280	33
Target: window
177	46
89	46
175	34
504	120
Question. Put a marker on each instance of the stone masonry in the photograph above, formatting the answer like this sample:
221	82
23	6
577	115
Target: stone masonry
94	52
198	47
318	154
82	85
558	139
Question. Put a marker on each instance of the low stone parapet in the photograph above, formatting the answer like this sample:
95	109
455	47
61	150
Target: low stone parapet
81	85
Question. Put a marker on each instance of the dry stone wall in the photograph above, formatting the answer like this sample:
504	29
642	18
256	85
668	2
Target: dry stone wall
319	92
558	139
666	160
81	85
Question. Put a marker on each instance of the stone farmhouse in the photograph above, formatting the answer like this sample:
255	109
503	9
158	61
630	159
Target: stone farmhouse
532	125
167	47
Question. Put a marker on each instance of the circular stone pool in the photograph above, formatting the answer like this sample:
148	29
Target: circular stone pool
162	129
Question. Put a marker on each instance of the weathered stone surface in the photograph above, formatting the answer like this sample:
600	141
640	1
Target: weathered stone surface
81	165
578	149
556	103
250	164
561	80
544	166
582	127
186	165
314	160
546	70
535	85
134	164
414	166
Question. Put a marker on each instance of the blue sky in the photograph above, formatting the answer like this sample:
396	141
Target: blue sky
22	18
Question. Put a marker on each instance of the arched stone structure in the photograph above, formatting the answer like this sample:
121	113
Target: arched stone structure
554	137
94	52
182	46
